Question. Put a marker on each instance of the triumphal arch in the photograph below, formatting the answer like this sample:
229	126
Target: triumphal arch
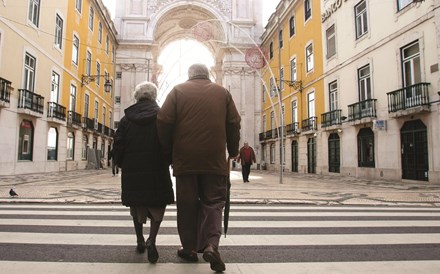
230	29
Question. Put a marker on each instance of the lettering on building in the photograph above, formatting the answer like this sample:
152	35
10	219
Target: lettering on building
333	8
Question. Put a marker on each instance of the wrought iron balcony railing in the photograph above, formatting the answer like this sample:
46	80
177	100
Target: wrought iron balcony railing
331	118
30	100
363	109
292	128
408	97
55	110
309	124
5	90
88	123
74	118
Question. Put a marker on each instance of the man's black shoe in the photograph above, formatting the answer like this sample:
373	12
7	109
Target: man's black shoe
212	256
190	257
152	253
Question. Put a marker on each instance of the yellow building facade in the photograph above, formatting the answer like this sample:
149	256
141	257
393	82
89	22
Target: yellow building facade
293	78
42	91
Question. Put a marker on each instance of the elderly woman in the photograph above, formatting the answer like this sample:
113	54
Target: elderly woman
146	182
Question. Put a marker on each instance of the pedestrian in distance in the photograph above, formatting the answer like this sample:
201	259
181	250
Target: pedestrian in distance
247	158
111	156
197	124
145	181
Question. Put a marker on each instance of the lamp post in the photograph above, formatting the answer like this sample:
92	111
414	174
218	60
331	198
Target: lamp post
86	79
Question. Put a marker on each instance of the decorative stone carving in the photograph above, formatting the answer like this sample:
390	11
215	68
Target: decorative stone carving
225	6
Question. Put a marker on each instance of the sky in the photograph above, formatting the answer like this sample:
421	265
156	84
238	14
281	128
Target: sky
268	8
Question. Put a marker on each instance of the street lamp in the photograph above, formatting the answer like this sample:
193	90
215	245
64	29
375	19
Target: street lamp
86	79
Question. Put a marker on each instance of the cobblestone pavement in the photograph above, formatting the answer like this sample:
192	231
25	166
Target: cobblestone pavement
99	186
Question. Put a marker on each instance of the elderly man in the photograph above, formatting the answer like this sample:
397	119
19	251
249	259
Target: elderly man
247	158
197	124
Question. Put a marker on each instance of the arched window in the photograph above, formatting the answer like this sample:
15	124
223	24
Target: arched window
26	141
366	148
70	146
85	143
52	144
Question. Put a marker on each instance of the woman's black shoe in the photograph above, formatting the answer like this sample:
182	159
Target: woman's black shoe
141	245
153	255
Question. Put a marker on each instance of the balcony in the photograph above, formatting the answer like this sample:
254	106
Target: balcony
88	123
5	92
74	119
331	118
30	103
408	100
292	129
56	112
309	124
362	112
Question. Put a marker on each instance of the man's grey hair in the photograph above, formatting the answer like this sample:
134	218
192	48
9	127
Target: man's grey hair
145	91
198	70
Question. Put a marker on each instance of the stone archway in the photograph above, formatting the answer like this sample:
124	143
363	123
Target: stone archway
227	28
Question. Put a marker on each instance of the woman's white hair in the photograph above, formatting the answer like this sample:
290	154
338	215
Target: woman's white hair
145	91
198	70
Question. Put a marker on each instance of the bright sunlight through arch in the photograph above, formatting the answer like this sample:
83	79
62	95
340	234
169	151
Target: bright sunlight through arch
175	60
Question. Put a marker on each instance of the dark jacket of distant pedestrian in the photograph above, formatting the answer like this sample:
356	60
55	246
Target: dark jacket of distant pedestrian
146	182
197	124
247	158
112	158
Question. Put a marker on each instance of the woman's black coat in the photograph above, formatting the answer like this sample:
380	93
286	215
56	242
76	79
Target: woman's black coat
145	172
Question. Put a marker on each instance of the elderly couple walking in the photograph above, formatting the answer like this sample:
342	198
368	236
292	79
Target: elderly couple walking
192	131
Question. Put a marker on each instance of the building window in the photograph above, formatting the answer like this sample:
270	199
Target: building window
360	11
34	12
52	144
86	105
98	72
75	50
307	9
104	111
364	81
280	39
58	32
110	118
113	54
78	5
401	4
272	120
272	86
333	94
70	146
26	140
281	78
293	69
117	99
411	67
272	153
263	94
85	144
292	26
96	110
100	32
118	75
331	41
271	50
294	111
91	18
309	58
72	105
311	104
365	140
55	87
264	123
29	72
263	153
88	63
107	44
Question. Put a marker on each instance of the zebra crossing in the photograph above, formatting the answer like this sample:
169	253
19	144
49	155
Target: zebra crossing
60	238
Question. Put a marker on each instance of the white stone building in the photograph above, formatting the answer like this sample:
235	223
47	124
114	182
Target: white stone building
381	72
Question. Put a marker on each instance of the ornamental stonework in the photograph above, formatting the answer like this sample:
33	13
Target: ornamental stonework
224	6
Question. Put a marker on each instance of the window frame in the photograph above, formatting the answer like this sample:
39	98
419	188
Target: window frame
333	95
55	158
365	144
59	24
310	62
307	10
70	147
75	49
30	67
280	39
361	19
292	26
91	18
34	12
78	6
402	4
331	41
364	83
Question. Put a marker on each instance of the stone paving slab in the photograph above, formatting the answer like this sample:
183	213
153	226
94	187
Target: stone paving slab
99	186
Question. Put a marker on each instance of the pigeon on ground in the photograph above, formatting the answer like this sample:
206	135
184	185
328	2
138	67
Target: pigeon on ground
12	192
